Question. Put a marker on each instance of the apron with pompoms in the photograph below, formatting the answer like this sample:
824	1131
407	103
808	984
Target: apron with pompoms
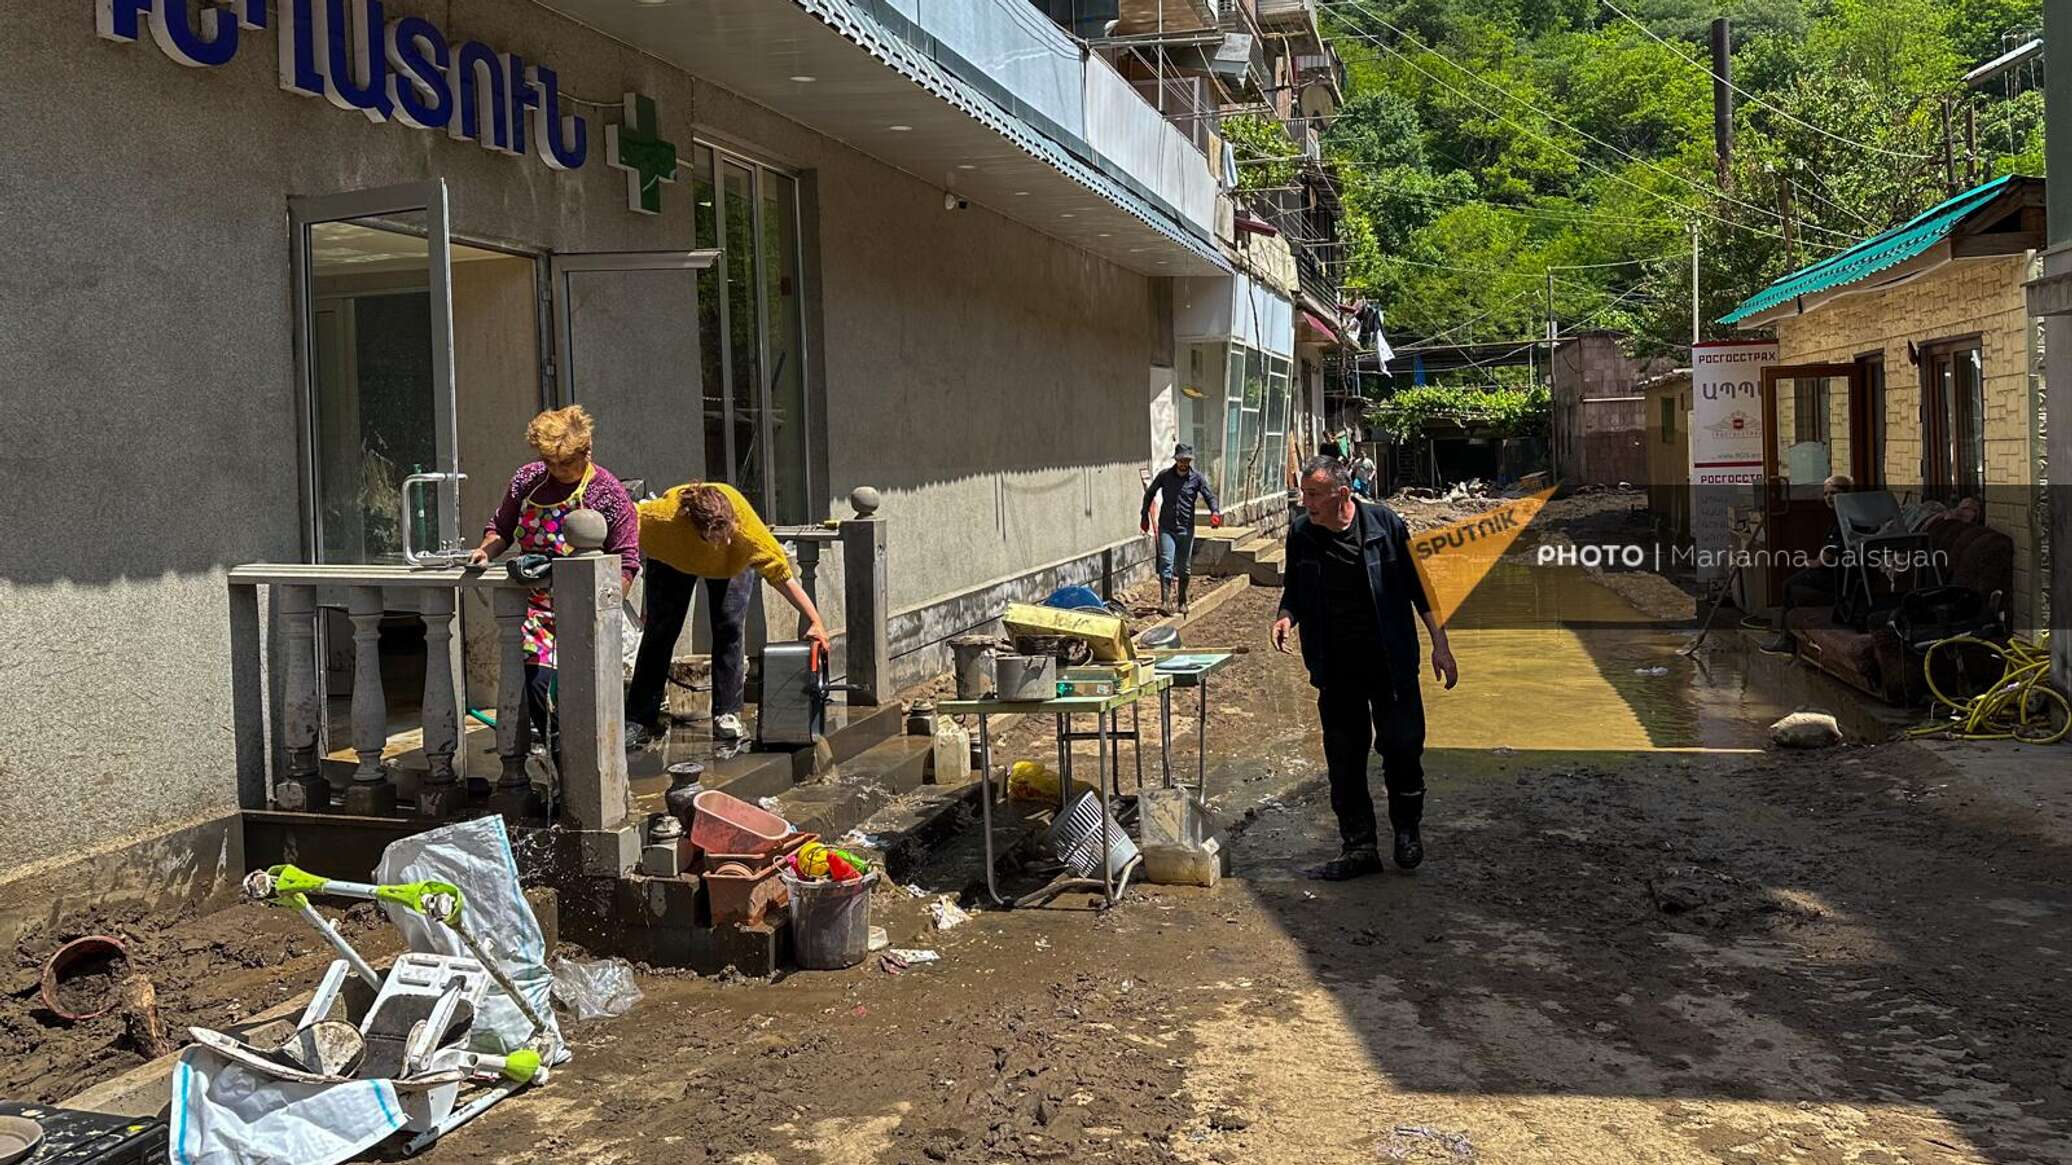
541	531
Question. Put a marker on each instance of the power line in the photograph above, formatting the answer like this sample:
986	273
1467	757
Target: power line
1757	101
1456	90
1553	214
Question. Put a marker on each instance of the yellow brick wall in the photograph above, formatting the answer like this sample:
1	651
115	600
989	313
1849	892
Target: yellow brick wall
1974	297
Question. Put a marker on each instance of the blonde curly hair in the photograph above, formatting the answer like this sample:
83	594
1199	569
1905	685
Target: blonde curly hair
561	434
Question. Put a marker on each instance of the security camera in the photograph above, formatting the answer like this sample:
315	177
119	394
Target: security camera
951	202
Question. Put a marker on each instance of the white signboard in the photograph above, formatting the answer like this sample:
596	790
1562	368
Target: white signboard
1726	440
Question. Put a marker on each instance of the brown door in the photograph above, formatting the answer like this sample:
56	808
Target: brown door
1813	442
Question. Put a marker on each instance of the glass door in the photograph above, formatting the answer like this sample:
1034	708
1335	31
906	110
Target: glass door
1806	427
375	354
627	348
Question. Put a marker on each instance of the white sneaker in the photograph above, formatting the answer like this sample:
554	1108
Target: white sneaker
726	727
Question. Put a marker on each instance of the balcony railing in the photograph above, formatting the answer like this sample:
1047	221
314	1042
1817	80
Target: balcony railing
278	709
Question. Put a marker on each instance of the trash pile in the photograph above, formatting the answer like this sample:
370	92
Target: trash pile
460	1022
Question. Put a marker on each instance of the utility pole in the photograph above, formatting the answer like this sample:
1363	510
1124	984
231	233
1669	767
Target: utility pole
1550	328
1949	152
1723	102
1695	337
1791	248
1970	144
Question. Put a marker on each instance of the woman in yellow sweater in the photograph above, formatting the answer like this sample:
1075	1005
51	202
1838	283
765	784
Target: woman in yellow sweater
708	531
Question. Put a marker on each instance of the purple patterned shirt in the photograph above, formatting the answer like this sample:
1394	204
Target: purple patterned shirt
605	495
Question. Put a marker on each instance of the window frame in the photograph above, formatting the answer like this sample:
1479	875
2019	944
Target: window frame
1943	415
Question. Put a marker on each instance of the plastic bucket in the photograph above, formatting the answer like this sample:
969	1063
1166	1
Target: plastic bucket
728	825
830	921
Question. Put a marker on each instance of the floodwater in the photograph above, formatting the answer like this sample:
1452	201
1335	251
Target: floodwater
1556	662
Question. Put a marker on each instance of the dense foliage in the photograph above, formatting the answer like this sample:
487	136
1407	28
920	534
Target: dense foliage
1486	144
1485	410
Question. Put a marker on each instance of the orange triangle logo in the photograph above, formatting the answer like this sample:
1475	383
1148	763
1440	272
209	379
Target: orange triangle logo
1452	559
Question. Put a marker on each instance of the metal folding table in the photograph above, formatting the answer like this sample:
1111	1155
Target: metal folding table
1108	735
1191	669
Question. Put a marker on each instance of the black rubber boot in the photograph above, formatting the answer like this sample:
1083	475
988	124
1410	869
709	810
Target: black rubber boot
1409	848
1184	580
1352	864
1779	644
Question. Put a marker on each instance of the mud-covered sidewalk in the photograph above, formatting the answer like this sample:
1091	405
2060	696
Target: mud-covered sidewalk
1638	941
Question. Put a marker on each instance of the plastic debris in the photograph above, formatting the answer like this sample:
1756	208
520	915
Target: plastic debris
770	804
857	837
911	956
879	939
1651	671
896	962
1408	1143
947	913
1806	730
598	989
914	890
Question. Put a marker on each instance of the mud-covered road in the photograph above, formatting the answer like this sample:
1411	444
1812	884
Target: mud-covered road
1646	940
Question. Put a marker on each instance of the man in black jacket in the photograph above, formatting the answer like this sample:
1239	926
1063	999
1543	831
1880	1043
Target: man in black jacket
1350	588
1178	486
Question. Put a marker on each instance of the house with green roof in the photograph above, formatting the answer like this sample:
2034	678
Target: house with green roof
1928	377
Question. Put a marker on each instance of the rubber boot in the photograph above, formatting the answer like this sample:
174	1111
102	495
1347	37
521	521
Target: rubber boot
1165	596
1184	579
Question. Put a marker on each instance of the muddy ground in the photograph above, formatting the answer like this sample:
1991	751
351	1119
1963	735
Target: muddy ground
210	970
1631	955
1639	937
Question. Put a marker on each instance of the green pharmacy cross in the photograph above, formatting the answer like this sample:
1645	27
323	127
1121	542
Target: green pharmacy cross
637	147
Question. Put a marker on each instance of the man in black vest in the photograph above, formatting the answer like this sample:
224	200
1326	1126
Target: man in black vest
1351	587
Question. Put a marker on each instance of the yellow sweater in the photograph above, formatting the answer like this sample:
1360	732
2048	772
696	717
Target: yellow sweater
669	538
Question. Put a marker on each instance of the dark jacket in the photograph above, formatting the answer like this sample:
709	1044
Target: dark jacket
1176	511
1391	578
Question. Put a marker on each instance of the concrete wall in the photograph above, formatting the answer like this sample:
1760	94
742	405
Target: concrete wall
988	378
1981	297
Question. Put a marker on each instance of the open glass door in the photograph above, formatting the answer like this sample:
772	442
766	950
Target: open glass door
375	352
1807	427
374	358
626	347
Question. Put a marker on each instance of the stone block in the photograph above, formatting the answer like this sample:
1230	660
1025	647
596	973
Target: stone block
608	852
302	794
370	799
661	861
1177	865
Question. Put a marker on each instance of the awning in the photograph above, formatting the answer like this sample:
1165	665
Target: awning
1315	323
1881	252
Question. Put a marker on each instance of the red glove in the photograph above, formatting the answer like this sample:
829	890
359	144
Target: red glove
1215	521
1144	526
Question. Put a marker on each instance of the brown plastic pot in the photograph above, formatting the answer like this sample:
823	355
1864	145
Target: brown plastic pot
69	957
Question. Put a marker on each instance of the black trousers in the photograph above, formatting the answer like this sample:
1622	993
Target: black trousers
1357	716
1804	588
668	603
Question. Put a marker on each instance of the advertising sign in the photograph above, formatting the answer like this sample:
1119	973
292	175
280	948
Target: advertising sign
1726	440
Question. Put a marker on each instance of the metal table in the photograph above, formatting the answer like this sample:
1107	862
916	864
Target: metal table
1191	669
1108	735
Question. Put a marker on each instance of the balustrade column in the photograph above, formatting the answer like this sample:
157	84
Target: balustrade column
302	788
439	795
370	791
508	606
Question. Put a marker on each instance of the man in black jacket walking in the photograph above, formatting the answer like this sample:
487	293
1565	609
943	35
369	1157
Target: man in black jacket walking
1178	486
1350	588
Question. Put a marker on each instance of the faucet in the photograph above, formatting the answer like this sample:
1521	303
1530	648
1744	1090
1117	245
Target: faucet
452	551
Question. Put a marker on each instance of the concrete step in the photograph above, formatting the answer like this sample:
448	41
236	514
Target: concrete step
908	830
1237	560
751	775
858	787
1267	569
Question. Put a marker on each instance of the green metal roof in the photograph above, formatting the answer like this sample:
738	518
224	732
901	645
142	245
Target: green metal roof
1875	254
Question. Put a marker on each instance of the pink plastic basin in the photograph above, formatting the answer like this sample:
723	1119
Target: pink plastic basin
729	825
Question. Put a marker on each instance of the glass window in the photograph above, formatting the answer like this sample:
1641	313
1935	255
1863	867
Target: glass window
1970	425
752	331
1250	434
711	302
1953	421
1201	407
789	502
1809	410
744	329
1231	486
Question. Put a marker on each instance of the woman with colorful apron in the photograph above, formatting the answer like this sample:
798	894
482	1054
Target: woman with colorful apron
534	515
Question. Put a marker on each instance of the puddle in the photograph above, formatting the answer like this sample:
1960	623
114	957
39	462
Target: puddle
1555	662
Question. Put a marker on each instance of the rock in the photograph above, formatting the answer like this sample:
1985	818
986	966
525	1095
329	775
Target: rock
1229	1122
1806	730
